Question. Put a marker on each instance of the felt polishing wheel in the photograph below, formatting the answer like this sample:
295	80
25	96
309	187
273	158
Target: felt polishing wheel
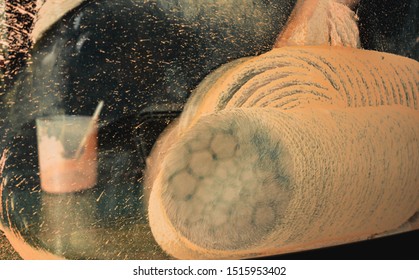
299	148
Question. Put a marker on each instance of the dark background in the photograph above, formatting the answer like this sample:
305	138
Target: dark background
395	247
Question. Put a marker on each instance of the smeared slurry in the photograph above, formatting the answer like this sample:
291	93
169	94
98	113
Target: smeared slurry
222	191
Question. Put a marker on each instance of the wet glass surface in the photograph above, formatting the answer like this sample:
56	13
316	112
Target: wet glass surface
106	222
142	58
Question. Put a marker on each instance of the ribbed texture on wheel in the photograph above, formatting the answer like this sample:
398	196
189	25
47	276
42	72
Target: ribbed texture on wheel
297	77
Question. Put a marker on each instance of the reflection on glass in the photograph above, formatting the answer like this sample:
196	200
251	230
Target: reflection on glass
101	223
145	59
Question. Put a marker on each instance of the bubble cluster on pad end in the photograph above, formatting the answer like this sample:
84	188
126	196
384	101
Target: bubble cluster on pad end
223	193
